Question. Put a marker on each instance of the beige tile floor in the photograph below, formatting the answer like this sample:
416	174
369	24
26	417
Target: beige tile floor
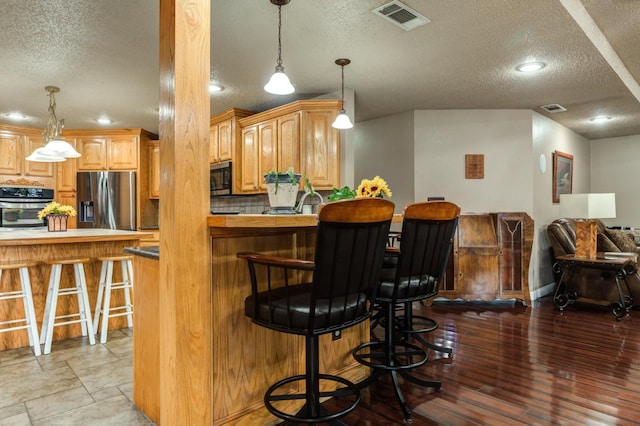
76	384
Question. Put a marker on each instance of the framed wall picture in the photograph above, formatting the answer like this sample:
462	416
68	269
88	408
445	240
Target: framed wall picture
562	174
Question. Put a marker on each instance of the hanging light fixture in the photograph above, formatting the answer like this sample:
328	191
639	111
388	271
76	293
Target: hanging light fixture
279	83
342	120
55	148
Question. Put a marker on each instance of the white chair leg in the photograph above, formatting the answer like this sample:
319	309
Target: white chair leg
85	307
34	341
98	311
107	302
52	304
127	281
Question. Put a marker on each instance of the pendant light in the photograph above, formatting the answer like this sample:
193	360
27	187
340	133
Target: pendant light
55	148
279	83
342	120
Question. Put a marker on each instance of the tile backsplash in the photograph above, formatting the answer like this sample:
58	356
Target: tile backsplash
256	204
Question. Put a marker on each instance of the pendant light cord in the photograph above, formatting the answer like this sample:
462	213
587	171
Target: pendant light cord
279	37
342	67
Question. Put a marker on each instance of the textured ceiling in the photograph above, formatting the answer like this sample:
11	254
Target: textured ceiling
104	57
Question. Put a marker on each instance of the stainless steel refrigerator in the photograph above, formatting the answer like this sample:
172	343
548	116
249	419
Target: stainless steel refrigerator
107	200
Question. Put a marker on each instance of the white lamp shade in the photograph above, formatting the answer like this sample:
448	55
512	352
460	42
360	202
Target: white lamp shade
342	121
588	206
60	148
279	84
42	157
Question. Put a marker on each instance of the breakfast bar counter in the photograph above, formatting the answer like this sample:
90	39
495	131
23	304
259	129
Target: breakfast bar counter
247	359
41	245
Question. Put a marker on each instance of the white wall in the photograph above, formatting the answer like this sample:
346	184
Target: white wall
615	167
443	137
549	136
385	147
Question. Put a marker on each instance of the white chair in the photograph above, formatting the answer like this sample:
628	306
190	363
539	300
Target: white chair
103	304
24	293
80	290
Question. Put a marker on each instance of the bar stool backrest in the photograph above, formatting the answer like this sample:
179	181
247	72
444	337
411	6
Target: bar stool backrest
352	236
428	230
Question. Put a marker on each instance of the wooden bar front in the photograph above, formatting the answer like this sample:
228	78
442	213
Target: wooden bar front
247	359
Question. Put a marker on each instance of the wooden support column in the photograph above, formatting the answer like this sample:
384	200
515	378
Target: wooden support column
185	276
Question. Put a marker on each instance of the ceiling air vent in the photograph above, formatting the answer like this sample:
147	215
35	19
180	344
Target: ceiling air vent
401	15
553	108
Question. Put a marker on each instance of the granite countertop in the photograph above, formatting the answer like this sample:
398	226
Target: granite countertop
151	252
42	236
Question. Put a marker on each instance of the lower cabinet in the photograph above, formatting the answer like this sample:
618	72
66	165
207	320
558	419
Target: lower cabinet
490	259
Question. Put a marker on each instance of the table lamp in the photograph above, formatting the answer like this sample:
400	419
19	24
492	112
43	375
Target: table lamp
584	208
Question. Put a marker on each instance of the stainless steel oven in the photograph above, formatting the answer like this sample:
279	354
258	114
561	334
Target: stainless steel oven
19	207
220	179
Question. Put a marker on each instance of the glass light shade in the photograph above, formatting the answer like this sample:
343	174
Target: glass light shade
60	148
279	84
342	121
588	206
39	156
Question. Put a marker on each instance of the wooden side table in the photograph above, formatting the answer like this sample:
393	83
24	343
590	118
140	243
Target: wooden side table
621	264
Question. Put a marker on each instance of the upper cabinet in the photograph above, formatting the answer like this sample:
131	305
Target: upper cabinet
154	170
320	149
93	152
112	150
10	153
16	143
297	135
223	133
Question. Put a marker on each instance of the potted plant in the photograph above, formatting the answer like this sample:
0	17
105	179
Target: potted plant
282	188
57	215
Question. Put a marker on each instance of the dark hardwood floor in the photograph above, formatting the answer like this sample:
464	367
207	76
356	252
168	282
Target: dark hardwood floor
516	365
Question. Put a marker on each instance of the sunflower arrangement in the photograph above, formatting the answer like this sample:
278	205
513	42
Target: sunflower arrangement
56	208
376	187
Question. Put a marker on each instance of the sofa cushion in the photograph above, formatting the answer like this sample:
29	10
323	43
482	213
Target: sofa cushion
621	240
606	244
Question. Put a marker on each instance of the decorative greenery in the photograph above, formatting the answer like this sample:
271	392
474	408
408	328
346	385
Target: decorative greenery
308	187
56	208
345	193
376	187
273	177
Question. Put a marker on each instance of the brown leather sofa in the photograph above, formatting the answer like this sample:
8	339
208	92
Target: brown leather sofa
591	282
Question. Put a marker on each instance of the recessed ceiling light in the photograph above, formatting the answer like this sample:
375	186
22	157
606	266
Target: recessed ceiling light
600	119
215	87
16	116
104	120
531	66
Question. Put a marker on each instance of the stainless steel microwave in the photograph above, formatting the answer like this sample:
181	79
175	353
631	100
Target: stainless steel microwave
220	179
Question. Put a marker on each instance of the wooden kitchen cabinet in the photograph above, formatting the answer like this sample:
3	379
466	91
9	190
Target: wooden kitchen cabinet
110	150
320	149
16	143
122	152
247	177
35	168
10	153
223	133
220	142
274	144
154	170
490	258
93	153
297	135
